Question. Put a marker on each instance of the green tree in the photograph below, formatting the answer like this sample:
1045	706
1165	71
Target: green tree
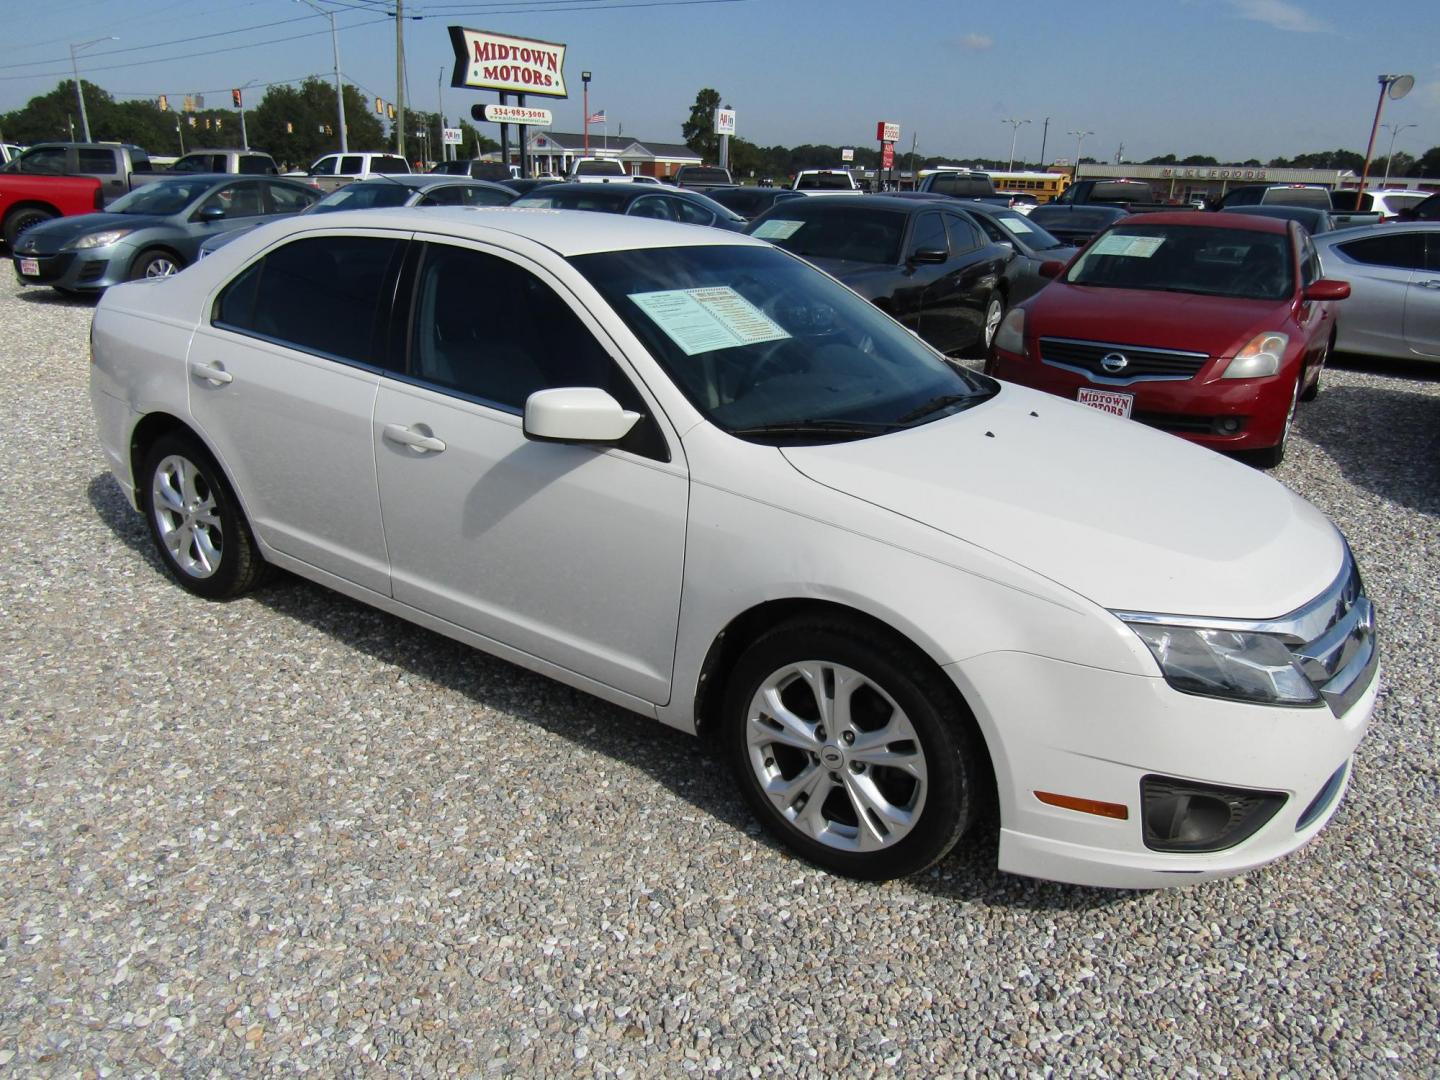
296	125
699	130
1429	163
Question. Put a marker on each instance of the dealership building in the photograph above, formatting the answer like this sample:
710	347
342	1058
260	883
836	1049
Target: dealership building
553	153
1183	182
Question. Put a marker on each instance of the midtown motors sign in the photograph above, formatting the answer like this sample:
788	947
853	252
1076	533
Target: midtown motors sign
486	61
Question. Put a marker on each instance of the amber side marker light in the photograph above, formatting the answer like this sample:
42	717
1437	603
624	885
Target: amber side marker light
1119	811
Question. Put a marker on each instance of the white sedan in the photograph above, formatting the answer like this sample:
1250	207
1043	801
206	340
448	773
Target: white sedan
686	472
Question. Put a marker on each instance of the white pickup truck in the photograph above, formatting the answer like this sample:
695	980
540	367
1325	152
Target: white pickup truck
336	170
826	182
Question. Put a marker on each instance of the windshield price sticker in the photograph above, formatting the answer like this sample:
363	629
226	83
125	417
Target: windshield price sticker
1135	247
777	229
703	320
1021	226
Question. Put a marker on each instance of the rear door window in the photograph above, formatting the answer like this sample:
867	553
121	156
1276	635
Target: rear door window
690	213
255	165
350	165
96	161
963	235
285	199
1402	250
928	234
328	295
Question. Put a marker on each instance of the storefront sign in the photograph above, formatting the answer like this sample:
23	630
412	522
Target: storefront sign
486	61
517	114
887	132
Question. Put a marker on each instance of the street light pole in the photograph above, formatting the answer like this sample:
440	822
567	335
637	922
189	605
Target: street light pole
339	88
585	79
1395	129
79	93
1079	139
1014	134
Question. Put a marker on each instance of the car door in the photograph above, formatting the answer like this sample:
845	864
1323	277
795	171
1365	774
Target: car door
1422	302
909	298
954	314
240	204
1388	268
1314	319
282	199
568	553
283	378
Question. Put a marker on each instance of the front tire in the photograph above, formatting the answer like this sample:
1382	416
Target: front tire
196	522
848	749
155	263
1272	456
1311	392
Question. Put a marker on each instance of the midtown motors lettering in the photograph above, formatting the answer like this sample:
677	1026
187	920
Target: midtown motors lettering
488	61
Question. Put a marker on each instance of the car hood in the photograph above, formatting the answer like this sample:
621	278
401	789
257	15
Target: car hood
50	236
1162	320
1131	518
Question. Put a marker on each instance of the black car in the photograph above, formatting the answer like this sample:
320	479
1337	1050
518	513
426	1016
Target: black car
925	262
637	200
1313	221
1033	247
751	202
1076	224
528	184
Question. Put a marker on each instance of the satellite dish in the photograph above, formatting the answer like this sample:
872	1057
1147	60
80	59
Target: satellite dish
1401	86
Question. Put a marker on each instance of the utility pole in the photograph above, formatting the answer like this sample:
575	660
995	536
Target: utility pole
440	104
339	89
1044	137
79	93
400	77
1119	153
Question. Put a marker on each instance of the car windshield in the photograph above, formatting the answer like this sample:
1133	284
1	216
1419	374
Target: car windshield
1210	261
1020	226
820	230
162	197
772	350
364	197
601	198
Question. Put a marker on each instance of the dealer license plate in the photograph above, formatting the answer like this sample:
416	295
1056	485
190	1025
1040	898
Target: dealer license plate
30	267
1106	401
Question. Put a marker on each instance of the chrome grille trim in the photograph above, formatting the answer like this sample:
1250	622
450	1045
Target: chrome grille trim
1146	363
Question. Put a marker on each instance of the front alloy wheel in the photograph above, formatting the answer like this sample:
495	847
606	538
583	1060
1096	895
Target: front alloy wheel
849	748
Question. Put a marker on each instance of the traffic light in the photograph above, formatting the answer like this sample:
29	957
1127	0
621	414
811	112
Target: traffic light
164	103
379	107
289	128
235	97
391	110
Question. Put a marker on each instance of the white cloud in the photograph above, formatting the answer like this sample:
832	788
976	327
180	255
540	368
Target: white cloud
976	42
1280	14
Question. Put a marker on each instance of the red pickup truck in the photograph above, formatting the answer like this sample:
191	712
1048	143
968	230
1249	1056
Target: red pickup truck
27	200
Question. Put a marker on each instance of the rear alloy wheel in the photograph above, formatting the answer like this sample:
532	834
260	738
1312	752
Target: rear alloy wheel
844	750
1274	455
994	316
195	522
20	220
153	264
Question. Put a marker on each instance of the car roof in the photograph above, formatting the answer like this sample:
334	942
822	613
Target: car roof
1204	220
882	202
1389	228
566	232
420	181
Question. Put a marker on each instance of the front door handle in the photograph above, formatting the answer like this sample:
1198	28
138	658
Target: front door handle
212	373
399	433
1428	284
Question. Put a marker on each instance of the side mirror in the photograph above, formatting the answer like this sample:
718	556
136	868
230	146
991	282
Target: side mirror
1051	268
211	213
576	414
923	256
1327	289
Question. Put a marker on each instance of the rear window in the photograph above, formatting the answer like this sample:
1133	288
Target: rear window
857	234
825	182
690	175
1119	191
599	168
1315	198
961	186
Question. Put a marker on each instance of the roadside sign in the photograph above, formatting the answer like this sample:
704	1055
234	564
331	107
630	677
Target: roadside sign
514	114
885	131
847	153
488	61
450	137
887	156
724	121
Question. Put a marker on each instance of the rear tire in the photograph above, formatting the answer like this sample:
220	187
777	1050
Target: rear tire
994	316
894	781
195	520
27	217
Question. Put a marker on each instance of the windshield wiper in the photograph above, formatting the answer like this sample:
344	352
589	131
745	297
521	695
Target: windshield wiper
934	405
807	428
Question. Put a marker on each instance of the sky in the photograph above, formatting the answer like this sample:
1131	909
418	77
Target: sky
1235	79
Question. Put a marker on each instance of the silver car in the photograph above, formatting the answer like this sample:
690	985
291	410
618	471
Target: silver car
154	231
1394	276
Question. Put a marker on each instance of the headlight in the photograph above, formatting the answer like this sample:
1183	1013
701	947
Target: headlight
1240	665
1011	335
1262	356
99	239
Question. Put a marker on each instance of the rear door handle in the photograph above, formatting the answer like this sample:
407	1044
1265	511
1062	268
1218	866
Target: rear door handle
1428	284
213	373
399	433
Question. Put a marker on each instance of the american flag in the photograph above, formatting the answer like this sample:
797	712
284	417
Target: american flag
597	118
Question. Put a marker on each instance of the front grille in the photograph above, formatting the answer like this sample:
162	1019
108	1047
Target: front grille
52	268
1140	363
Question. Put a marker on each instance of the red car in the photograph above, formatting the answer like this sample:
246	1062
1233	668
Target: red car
1209	326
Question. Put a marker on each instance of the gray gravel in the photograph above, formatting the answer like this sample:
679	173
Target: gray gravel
290	834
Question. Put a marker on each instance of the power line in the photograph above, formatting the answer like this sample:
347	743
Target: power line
144	94
470	9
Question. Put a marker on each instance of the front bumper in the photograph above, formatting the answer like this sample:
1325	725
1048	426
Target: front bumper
1093	734
1198	409
90	270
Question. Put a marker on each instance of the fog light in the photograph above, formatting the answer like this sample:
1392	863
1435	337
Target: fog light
1178	815
1229	425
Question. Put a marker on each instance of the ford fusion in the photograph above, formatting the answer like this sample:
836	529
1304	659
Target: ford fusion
1211	326
686	472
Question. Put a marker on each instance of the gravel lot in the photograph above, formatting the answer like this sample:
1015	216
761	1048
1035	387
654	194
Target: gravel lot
291	834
